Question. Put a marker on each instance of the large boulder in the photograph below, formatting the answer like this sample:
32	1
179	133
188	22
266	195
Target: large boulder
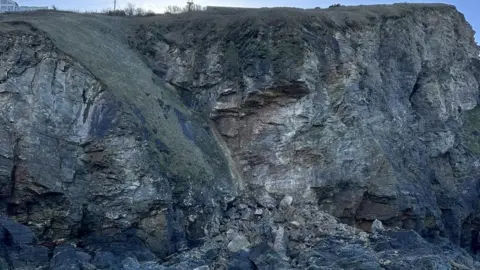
18	249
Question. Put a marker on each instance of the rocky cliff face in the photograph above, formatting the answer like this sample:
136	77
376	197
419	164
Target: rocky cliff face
240	140
368	112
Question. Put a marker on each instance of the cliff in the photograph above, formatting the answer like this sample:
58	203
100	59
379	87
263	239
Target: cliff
251	139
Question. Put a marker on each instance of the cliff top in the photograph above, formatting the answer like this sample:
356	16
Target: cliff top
347	14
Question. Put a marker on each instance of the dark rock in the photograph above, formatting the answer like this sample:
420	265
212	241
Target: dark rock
266	258
240	261
239	242
15	233
106	260
334	254
266	200
28	257
286	201
17	249
110	246
67	257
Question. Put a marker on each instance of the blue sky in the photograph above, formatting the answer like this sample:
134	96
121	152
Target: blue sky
471	8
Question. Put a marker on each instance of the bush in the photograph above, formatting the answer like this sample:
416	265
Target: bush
334	6
130	10
177	9
173	9
118	12
150	13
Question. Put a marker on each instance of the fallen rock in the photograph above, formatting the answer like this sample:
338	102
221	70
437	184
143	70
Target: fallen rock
106	260
238	243
130	263
337	254
377	226
266	258
231	233
265	200
203	267
295	224
242	206
286	201
18	249
280	242
247	214
66	257
240	261
20	234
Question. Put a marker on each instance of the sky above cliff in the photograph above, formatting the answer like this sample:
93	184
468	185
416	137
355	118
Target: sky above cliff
471	8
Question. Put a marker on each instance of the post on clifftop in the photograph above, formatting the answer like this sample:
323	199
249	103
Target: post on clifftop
190	3
114	5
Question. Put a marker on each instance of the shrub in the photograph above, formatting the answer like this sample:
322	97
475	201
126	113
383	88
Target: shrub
177	9
173	9
118	12
334	6
130	10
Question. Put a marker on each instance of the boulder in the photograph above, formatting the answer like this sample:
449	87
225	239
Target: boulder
377	226
286	201
239	242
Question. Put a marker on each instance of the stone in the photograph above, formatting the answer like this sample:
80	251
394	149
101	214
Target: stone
240	261
67	257
218	238
258	212
346	256
20	234
239	242
247	214
130	263
265	200
18	249
203	267
286	201
106	260
295	224
377	226
264	257
242	206
281	242
231	233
